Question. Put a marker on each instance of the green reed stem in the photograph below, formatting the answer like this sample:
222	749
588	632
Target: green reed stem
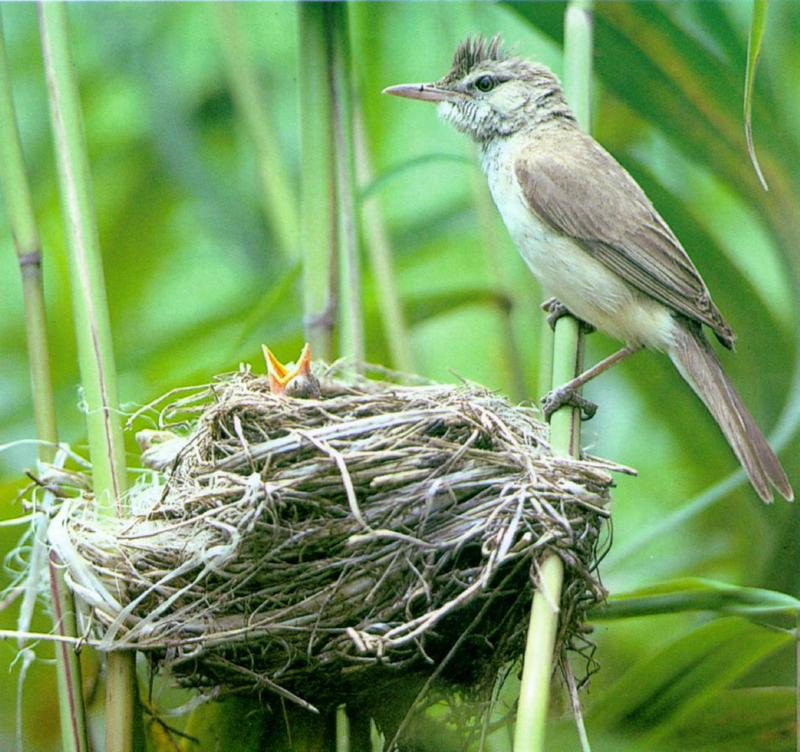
351	339
19	209
15	189
529	734
318	229
278	195
92	327
378	246
534	692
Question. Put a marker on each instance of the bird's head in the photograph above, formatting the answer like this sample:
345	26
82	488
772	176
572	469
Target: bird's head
489	94
292	379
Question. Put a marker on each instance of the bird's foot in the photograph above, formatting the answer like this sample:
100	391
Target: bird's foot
555	309
567	396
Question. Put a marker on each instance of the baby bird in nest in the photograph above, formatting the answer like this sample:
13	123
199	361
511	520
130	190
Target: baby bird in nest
292	379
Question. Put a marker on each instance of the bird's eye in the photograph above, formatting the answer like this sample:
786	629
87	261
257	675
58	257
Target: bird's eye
485	83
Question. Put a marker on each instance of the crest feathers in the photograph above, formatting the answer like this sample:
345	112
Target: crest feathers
475	50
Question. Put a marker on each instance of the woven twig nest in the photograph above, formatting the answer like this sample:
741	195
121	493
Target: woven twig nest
308	546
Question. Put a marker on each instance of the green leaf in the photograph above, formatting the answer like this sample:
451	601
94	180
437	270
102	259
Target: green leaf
679	83
384	179
234	723
660	693
696	594
428	306
753	718
757	27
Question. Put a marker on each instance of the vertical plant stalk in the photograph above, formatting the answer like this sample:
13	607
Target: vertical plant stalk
92	325
545	376
379	249
93	328
351	339
318	225
797	684
19	209
68	668
529	732
278	196
351	316
342	730
534	691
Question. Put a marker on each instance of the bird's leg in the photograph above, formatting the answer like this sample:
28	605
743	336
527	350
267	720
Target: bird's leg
555	309
567	394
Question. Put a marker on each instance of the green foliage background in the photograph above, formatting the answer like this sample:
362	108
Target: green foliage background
196	283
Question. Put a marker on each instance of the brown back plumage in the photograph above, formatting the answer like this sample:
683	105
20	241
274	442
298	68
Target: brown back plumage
577	188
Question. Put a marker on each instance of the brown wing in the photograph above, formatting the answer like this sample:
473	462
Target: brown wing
577	188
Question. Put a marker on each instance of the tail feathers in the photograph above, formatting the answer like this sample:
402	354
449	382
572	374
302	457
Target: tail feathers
698	364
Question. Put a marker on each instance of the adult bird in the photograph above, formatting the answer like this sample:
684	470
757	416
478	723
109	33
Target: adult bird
590	234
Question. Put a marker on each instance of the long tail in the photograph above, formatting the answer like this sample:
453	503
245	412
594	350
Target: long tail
696	360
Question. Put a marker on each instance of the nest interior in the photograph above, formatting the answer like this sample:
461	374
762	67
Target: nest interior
311	547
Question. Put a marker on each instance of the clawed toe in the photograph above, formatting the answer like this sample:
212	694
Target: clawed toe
566	396
555	309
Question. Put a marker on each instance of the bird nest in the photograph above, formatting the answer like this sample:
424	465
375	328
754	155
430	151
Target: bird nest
310	547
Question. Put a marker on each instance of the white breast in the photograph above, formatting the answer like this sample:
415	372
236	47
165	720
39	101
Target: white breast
585	286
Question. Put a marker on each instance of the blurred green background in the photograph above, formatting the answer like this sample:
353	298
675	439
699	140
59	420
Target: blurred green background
197	281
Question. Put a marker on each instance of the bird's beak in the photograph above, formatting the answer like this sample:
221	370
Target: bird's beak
281	375
425	92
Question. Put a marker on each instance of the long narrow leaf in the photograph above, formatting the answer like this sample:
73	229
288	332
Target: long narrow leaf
696	594
684	88
757	28
384	179
661	692
767	724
